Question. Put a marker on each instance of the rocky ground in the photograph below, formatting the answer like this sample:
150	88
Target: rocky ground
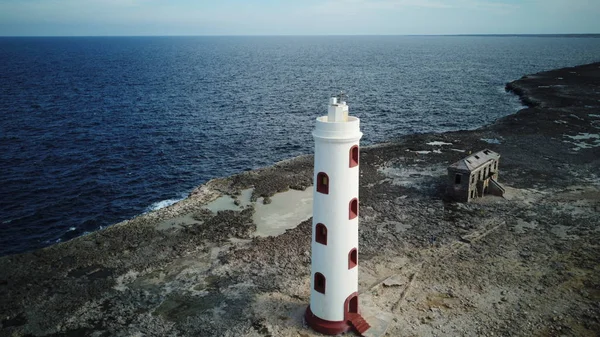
523	265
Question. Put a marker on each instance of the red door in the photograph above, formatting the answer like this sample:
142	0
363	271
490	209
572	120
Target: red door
351	306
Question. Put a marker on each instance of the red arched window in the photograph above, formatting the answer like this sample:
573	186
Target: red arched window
321	234
353	209
352	258
322	183
319	283
354	156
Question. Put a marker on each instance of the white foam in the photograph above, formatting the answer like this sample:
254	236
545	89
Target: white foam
576	117
584	141
584	136
419	152
438	143
594	115
491	140
162	204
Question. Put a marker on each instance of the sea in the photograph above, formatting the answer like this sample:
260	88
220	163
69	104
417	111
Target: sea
96	130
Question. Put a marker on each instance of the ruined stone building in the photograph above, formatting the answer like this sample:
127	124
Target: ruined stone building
474	176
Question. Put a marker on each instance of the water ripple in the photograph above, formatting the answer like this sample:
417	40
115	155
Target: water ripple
96	130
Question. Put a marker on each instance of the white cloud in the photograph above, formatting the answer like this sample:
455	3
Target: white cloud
305	17
357	6
568	6
344	7
101	12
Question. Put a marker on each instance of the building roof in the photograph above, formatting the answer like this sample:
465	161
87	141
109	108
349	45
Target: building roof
474	161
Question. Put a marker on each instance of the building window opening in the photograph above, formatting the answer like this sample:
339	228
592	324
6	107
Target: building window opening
457	179
319	283
353	209
321	234
476	157
322	183
472	194
352	258
354	156
472	179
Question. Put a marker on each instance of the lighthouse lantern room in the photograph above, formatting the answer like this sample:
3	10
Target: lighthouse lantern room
333	305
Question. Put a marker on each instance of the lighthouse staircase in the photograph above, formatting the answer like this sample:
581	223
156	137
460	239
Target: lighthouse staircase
358	323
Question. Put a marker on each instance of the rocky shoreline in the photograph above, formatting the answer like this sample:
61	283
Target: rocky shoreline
525	265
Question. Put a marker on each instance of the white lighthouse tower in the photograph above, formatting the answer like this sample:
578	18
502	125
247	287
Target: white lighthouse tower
333	305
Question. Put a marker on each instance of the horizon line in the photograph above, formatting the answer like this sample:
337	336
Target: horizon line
316	35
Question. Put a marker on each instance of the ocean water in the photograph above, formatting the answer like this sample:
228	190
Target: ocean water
97	130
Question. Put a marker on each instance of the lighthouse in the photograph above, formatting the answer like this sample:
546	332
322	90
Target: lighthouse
333	305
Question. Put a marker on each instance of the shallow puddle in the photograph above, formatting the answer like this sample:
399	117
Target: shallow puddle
178	222
412	176
286	210
227	203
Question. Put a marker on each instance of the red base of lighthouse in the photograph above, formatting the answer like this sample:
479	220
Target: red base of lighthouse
325	327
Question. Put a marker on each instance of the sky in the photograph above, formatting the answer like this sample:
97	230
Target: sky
299	17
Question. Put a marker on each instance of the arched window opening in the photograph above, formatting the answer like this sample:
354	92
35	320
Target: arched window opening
353	209
354	156
352	258
321	234
319	283
322	183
